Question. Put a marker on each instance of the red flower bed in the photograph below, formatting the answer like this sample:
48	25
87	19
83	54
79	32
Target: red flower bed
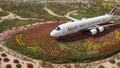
109	47
29	65
16	42
117	29
40	34
16	61
38	40
6	60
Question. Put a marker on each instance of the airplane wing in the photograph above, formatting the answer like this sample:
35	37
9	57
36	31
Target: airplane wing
96	26
110	25
73	19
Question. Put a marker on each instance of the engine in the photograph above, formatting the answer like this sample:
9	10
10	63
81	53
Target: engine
93	31
101	29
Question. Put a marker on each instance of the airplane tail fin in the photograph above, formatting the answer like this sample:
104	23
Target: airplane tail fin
113	10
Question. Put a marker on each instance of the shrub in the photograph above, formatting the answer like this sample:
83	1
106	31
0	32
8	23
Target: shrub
0	59
101	66
112	61
8	66
18	66
29	65
118	64
16	61
3	55
5	59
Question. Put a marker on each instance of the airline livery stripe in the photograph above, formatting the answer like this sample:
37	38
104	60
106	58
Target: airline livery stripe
113	10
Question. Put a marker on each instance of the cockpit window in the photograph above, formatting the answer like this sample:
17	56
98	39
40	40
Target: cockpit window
57	28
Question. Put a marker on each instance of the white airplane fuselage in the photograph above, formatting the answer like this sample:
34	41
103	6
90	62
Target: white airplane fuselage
75	26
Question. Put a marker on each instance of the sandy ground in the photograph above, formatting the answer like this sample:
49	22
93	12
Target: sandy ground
22	62
107	64
0	9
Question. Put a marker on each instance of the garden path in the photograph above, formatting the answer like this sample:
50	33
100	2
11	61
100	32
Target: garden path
0	9
51	12
14	16
12	54
71	12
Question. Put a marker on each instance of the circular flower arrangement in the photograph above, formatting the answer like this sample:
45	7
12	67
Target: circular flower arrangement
3	55
6	60
78	47
29	65
16	61
8	66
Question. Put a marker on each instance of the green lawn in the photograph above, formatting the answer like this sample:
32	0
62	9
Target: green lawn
77	15
37	11
3	13
31	11
8	24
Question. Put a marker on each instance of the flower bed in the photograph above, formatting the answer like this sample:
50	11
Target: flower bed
16	61
3	55
38	44
6	60
29	65
8	66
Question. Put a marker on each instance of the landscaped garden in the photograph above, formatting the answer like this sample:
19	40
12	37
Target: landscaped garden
31	11
80	47
10	62
3	13
37	11
9	24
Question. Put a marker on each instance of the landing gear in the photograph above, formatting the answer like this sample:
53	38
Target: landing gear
60	38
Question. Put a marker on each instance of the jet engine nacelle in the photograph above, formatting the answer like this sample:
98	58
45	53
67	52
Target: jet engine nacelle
101	29
93	31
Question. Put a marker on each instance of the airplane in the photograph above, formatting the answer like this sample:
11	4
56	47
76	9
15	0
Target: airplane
90	24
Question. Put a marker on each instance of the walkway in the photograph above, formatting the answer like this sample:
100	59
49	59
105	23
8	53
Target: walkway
0	9
71	12
14	16
11	54
51	12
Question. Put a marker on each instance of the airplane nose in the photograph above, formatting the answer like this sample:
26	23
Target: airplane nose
52	34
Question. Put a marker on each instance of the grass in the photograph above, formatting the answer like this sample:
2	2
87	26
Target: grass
31	11
101	66
78	15
8	24
37	11
3	13
112	61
